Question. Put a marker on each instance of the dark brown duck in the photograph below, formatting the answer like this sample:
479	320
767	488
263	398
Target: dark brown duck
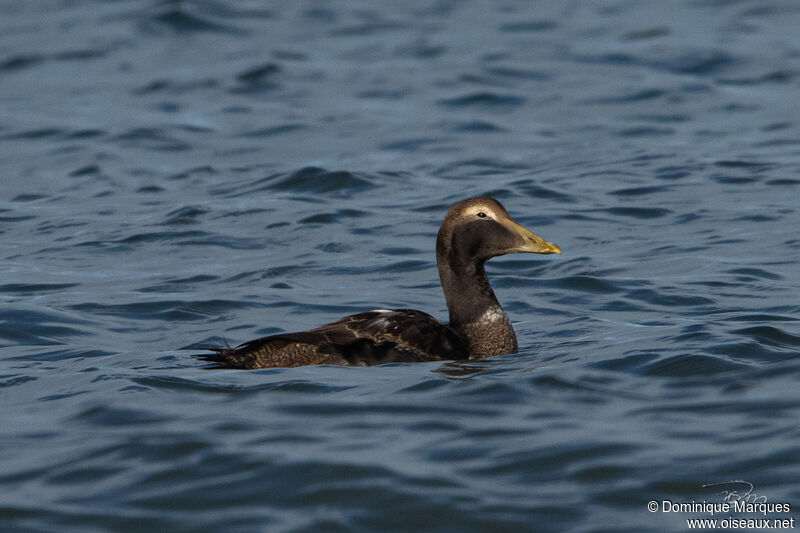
473	231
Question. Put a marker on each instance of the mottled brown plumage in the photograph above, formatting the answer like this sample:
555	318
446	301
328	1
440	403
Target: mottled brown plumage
473	231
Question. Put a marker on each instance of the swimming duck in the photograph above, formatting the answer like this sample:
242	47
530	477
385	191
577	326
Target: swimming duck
472	232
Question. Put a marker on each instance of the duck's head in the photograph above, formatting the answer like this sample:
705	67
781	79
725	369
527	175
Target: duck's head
478	229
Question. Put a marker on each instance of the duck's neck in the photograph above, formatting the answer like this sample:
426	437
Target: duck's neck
475	311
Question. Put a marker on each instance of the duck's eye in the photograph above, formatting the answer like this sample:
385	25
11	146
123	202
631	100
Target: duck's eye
481	214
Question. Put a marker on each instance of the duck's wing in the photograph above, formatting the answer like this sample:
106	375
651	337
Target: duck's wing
374	337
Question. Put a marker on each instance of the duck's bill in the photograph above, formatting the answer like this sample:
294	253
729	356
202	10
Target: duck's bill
532	243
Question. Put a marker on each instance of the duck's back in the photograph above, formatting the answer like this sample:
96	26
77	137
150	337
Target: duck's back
374	337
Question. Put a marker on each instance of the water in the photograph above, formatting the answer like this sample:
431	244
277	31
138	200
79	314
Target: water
181	174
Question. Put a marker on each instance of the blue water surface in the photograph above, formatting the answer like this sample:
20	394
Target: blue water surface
181	174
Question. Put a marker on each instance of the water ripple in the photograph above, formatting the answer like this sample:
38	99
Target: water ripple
164	310
485	99
182	174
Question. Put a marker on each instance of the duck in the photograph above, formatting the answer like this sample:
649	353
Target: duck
473	231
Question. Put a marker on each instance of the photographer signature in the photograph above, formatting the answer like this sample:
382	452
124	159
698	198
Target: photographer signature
734	495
